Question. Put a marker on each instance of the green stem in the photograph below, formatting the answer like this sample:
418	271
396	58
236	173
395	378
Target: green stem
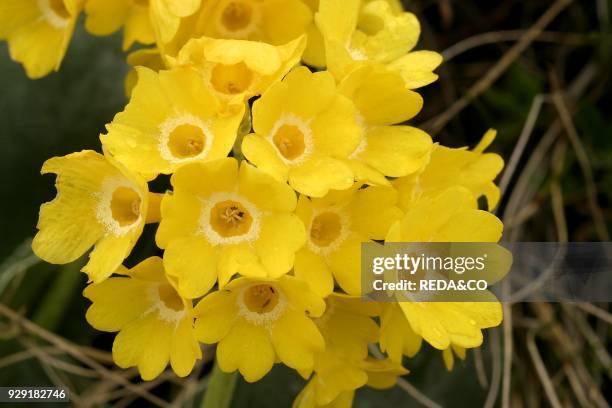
220	389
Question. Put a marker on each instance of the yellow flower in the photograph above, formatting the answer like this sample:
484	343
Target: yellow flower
382	100
144	57
154	322
472	169
38	32
314	55
167	15
172	119
380	374
357	32
221	220
104	17
97	203
396	336
271	21
303	130
336	225
236	70
258	322
451	216
344	366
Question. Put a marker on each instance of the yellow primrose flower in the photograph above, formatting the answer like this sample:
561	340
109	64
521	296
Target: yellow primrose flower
356	32
272	21
344	366
144	57
221	220
472	169
336	225
97	203
237	70
104	17
166	17
172	119
381	374
451	216
154	322
314	55
38	32
303	130
258	322
397	339
381	100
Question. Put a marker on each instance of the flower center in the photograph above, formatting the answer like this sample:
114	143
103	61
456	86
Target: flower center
237	15
230	218
125	206
169	297
231	79
59	8
186	141
289	140
325	228
261	298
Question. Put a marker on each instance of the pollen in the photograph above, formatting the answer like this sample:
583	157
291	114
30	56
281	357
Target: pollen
261	298
186	141
289	141
184	138
230	218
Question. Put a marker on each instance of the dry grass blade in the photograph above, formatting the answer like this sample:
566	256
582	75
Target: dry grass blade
416	394
481	374
517	153
77	353
496	374
495	37
596	311
437	123
549	388
583	160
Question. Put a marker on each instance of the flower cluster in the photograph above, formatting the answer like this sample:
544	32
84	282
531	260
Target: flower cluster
281	125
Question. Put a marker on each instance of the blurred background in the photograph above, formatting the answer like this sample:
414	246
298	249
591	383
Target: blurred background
538	71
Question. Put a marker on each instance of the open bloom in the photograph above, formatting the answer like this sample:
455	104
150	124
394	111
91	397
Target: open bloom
382	100
154	322
271	21
104	17
397	338
97	203
172	119
38	32
258	322
357	32
336	225
167	15
220	220
236	70
451	216
303	129
472	169
344	366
